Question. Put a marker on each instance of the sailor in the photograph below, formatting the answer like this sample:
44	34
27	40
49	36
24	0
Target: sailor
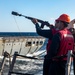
62	41
47	33
72	29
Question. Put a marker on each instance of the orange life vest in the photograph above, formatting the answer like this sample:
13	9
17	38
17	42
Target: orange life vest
67	42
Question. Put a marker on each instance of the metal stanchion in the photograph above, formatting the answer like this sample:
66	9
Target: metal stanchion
12	64
3	62
69	60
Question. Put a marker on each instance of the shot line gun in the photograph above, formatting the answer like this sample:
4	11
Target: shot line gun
31	18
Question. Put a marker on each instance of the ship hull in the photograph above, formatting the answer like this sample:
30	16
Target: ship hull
23	45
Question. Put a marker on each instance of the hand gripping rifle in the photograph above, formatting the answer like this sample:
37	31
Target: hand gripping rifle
40	21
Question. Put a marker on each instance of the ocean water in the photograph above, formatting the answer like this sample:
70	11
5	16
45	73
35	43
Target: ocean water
25	66
7	34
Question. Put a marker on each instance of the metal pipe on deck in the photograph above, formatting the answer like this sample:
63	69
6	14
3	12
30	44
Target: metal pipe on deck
12	64
2	65
3	62
69	60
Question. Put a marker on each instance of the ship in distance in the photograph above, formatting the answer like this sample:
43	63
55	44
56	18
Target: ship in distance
25	43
